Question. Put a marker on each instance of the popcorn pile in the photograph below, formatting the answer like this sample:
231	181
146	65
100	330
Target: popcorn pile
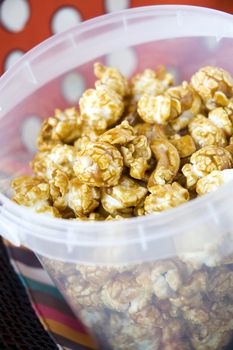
133	148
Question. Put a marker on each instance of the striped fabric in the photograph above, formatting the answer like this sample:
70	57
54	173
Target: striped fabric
48	303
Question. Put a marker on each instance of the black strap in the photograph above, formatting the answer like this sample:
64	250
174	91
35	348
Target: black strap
20	328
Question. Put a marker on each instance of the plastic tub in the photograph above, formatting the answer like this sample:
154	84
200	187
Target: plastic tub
158	282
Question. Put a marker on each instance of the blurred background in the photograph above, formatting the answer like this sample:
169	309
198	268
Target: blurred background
25	23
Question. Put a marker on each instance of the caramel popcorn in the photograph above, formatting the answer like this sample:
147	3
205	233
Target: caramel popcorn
184	145
124	293
81	198
152	132
120	135
190	105
168	162
151	82
135	149
33	192
99	164
212	82
64	127
136	155
206	160
213	181
101	107
158	109
205	133
164	197
124	195
112	78
221	117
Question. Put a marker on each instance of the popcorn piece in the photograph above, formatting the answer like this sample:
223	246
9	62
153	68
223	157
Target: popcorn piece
166	279
184	145
124	293
213	181
64	127
120	135
149	316
84	293
99	164
60	157
112	78
204	161
222	118
164	197
190	104
136	156
59	186
150	82
168	162
152	132
101	107
205	133
33	192
124	195
158	109
214	85
83	199
97	275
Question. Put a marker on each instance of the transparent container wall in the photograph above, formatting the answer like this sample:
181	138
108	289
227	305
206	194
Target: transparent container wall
19	128
181	303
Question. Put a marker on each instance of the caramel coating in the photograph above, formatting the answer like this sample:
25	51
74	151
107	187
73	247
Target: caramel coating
205	133
112	78
204	161
126	194
98	164
64	127
190	105
151	82
33	192
168	162
184	145
101	107
164	197
212	82
120	135
158	109
136	155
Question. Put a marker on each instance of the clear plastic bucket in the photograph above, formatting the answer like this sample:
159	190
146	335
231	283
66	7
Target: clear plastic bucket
158	282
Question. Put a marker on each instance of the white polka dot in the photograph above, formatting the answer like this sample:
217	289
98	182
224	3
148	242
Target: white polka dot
124	60
29	132
73	86
12	58
14	14
175	72
65	18
116	5
211	43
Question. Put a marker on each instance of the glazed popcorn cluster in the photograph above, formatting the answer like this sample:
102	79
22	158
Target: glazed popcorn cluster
133	148
172	304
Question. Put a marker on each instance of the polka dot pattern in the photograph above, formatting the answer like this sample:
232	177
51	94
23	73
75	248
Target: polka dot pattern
65	18
116	5
125	60
72	87
12	58
14	14
29	132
